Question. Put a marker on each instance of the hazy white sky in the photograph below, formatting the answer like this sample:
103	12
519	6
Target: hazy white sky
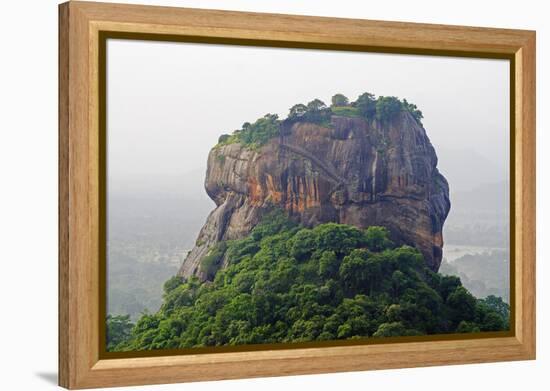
169	102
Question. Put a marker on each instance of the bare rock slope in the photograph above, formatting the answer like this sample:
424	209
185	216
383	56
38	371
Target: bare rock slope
353	172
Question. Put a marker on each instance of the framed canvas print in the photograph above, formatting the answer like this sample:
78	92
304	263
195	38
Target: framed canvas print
247	195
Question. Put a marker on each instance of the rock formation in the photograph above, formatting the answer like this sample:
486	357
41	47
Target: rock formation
354	171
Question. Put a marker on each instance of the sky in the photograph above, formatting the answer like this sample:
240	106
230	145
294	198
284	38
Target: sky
169	102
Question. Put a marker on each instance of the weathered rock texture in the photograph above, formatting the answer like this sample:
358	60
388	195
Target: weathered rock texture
355	172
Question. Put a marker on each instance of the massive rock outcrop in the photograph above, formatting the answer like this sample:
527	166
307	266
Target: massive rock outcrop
353	172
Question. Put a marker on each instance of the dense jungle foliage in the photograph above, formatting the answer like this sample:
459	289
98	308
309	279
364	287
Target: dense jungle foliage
287	283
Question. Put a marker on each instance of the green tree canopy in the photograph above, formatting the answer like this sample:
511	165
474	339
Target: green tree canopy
339	100
366	103
297	111
387	107
316	105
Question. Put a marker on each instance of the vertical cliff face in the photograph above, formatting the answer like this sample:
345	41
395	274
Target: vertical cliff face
352	172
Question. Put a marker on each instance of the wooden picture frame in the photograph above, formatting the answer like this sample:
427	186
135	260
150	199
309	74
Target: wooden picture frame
81	160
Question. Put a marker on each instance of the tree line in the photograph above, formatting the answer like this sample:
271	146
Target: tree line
382	109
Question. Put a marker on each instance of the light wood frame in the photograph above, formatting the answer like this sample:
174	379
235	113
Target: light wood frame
80	24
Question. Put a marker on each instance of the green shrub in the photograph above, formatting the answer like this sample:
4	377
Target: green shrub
223	138
254	135
211	262
172	284
411	108
261	131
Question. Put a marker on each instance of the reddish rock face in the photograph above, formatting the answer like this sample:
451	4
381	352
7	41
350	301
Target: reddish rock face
355	172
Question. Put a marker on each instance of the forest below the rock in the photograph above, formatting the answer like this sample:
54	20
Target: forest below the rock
287	283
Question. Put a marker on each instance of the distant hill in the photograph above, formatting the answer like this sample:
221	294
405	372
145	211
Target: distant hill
488	197
466	169
479	216
484	274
